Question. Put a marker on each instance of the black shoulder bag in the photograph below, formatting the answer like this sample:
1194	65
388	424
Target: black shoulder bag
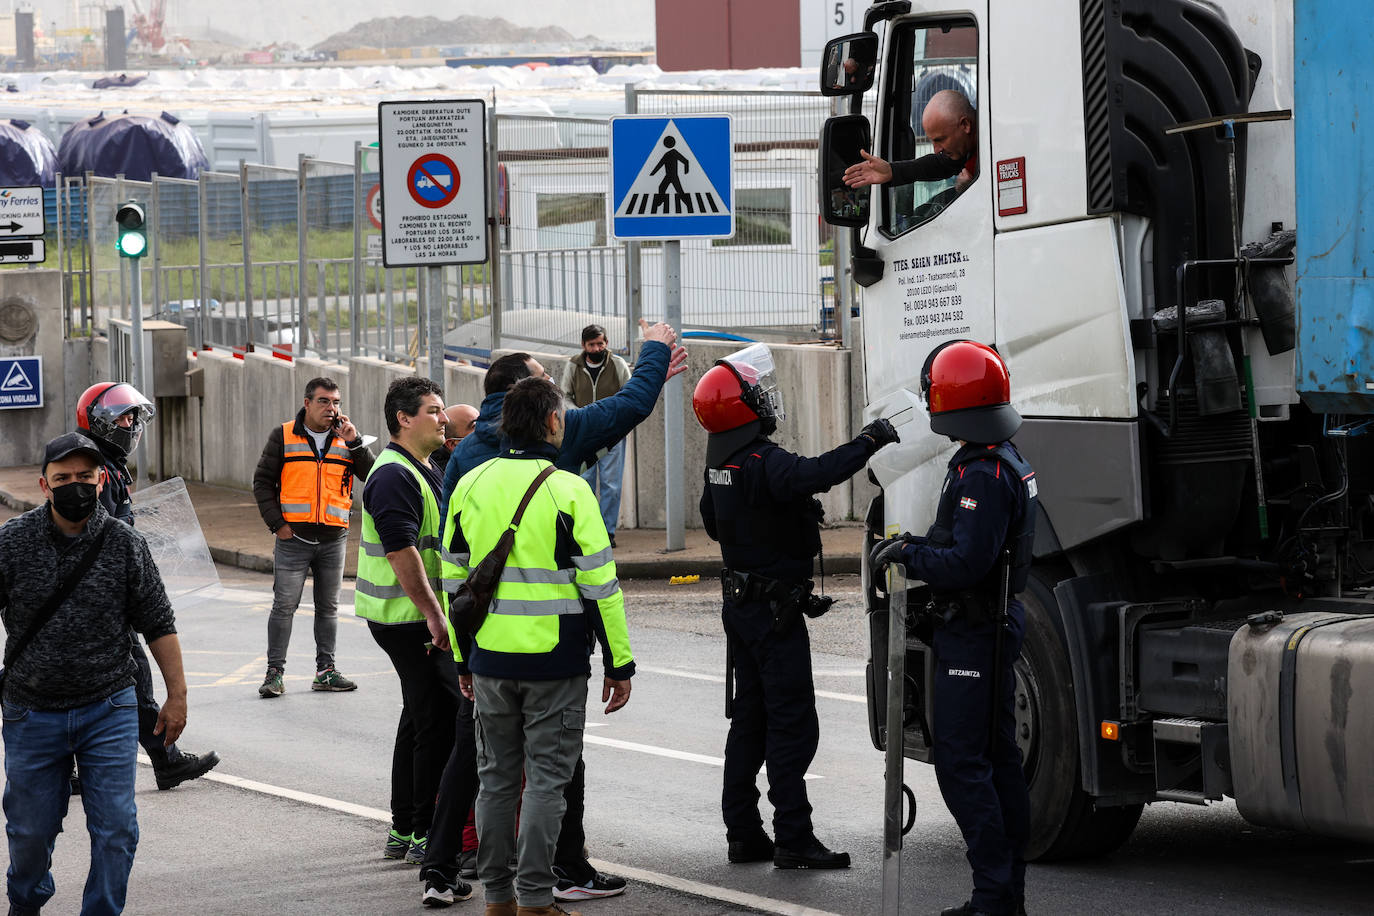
467	609
54	601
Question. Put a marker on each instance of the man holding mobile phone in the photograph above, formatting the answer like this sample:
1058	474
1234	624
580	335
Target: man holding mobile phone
304	489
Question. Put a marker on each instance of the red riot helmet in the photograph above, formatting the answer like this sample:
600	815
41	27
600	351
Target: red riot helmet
100	406
737	390
967	389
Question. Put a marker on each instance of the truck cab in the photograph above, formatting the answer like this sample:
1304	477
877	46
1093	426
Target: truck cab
1135	235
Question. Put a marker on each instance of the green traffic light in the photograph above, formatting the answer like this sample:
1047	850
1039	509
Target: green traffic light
132	241
132	244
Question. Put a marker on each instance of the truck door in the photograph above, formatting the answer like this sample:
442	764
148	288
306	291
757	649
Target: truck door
934	236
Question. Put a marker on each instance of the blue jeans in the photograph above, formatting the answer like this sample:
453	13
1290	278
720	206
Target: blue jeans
39	746
291	560
610	468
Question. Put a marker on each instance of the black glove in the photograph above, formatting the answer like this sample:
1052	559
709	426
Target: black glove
888	550
880	432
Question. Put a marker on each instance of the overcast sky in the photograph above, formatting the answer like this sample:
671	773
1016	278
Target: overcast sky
309	21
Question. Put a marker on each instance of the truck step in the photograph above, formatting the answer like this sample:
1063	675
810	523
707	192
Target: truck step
1180	730
1181	795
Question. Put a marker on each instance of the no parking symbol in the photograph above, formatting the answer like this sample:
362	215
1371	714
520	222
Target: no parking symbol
433	181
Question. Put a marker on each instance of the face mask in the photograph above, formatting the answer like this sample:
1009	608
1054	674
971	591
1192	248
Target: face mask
74	501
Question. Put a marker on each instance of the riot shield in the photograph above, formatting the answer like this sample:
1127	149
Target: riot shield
163	514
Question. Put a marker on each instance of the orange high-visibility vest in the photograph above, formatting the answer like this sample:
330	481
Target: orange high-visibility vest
318	490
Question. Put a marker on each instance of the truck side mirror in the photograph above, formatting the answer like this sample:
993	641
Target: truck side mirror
841	139
848	63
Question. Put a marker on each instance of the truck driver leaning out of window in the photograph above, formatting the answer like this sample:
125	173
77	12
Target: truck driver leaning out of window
951	125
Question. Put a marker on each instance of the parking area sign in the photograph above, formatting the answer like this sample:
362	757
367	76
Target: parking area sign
672	178
433	197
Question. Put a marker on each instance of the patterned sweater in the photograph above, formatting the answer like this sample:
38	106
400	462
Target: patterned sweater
81	655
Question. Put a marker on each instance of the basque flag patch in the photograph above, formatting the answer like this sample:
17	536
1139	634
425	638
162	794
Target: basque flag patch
968	502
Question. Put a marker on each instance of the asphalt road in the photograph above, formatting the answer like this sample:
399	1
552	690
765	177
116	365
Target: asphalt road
294	818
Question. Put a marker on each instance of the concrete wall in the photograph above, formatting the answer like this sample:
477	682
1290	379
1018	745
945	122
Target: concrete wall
218	438
31	325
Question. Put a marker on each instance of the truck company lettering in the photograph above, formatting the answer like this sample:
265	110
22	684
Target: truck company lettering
933	305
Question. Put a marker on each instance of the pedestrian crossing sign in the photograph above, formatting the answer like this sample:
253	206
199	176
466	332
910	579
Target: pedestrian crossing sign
672	177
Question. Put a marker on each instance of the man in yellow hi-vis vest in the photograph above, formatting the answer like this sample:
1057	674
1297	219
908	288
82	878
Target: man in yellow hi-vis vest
399	594
527	666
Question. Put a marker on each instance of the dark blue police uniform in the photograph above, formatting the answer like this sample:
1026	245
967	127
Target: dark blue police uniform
987	504
758	503
116	498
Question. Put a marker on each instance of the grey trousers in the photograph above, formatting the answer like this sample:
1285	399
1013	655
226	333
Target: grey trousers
292	560
534	728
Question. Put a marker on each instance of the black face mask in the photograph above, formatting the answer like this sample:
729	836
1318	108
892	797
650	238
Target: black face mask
75	501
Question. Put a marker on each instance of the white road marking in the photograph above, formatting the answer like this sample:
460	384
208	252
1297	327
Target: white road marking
664	752
671	882
720	679
710	891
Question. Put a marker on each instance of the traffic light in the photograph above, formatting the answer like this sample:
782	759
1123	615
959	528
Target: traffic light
133	238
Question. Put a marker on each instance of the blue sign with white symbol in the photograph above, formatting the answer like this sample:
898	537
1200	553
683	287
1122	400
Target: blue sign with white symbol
672	178
21	382
434	181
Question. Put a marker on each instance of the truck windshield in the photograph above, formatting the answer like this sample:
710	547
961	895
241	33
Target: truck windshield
937	116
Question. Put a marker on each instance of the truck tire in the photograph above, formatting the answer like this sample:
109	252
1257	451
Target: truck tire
1065	821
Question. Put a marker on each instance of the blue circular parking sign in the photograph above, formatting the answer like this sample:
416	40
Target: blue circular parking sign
433	181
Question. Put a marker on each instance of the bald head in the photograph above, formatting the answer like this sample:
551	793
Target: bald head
951	124
461	419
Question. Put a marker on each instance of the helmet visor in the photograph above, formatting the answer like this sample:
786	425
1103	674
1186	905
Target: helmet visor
119	416
755	367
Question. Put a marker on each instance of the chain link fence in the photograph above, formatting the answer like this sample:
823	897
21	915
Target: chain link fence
289	260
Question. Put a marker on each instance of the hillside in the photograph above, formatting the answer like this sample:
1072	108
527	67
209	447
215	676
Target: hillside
421	31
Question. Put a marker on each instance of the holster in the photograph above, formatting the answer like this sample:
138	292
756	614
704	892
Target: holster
786	600
976	606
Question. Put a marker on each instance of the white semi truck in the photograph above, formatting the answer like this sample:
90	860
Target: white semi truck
1197	391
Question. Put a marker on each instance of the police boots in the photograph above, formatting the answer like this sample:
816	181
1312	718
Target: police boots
968	909
810	854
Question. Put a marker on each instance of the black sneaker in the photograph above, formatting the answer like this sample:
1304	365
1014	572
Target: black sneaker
810	854
440	893
467	863
597	887
757	848
184	768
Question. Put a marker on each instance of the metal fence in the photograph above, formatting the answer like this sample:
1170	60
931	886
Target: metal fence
290	259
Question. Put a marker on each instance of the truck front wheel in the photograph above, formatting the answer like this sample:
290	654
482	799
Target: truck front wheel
1065	821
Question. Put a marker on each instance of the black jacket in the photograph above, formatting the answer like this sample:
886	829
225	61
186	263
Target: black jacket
82	654
114	496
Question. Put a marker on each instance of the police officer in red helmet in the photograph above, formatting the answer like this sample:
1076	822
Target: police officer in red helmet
976	558
759	504
115	415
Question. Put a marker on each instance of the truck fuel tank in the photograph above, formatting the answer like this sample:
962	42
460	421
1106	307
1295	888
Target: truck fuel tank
1302	742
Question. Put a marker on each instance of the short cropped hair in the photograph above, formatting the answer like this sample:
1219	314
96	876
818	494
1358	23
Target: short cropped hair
505	372
328	384
404	396
592	332
526	408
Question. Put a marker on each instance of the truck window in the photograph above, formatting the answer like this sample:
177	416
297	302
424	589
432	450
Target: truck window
936	66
